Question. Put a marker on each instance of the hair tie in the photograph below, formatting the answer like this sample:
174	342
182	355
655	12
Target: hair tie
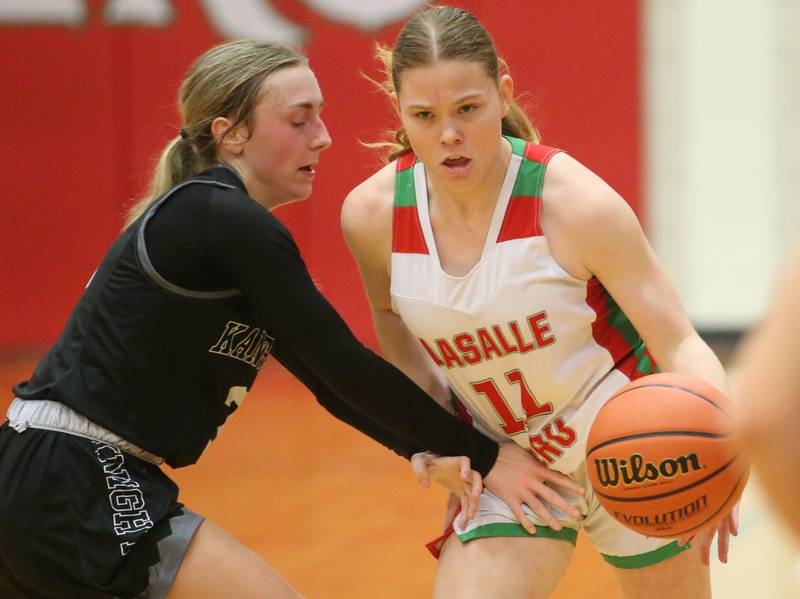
184	135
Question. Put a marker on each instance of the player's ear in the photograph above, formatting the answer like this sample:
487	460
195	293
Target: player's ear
229	137
506	89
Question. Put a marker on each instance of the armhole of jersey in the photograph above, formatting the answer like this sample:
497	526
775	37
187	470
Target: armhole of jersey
522	218
542	155
539	153
144	258
407	235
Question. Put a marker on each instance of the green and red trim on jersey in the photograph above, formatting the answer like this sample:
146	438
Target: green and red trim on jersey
500	529
570	535
407	236
613	331
523	214
643	560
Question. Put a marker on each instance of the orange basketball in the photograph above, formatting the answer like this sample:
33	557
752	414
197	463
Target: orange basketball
661	457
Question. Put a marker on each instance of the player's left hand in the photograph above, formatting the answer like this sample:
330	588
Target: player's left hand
454	474
728	526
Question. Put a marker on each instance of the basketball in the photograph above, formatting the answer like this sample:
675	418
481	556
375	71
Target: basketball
661	456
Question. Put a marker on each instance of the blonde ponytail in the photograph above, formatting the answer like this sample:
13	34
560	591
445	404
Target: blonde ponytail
517	124
175	163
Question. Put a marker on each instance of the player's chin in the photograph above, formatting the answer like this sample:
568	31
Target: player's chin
303	193
299	192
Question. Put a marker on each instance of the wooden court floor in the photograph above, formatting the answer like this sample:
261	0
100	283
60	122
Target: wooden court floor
342	517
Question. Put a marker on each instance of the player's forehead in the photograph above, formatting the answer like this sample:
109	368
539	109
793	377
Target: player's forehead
444	81
292	88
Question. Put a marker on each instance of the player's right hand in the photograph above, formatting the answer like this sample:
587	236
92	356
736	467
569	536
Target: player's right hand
520	479
727	527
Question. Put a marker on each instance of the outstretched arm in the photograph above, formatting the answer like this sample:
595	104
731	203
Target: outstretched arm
255	251
341	409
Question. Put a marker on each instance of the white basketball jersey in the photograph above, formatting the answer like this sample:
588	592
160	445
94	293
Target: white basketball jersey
531	351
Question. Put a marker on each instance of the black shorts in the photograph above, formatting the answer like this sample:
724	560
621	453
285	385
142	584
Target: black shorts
81	519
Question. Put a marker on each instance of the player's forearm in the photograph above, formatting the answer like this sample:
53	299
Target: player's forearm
691	355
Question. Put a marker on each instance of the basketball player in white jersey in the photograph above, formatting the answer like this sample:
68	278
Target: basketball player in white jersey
508	274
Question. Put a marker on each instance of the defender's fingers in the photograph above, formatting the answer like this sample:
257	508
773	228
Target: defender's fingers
475	485
538	508
451	511
473	494
464	467
463	516
420	467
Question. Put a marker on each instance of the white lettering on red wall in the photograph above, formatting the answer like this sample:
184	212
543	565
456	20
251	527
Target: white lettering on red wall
230	18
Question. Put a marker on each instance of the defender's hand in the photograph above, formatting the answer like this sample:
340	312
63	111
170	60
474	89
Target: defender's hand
455	475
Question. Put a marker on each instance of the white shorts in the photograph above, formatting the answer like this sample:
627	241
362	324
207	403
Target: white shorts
619	545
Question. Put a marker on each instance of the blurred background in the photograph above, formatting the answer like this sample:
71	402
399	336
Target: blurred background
687	107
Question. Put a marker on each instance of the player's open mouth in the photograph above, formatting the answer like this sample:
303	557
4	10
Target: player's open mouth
457	163
308	170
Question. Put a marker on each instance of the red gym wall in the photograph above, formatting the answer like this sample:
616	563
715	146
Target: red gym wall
85	108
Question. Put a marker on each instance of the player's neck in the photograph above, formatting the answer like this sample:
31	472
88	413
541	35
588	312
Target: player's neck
459	201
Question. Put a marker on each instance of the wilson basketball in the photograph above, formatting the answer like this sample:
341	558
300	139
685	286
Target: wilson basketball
661	456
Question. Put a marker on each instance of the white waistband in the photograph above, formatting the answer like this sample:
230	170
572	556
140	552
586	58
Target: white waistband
54	416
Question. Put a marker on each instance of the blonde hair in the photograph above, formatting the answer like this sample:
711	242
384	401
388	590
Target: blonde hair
225	81
444	33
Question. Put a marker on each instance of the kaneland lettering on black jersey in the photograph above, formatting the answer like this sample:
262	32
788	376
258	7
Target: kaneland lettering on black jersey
636	470
494	341
243	342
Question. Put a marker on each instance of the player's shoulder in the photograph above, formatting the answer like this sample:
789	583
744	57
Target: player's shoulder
231	213
582	216
206	195
374	192
370	202
367	216
575	192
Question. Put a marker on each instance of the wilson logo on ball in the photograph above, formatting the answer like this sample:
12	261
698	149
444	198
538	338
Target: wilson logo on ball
636	470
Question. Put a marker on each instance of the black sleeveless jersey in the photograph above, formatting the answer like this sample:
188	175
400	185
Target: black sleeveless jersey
162	349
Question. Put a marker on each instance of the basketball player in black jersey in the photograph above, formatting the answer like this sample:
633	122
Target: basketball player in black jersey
168	337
